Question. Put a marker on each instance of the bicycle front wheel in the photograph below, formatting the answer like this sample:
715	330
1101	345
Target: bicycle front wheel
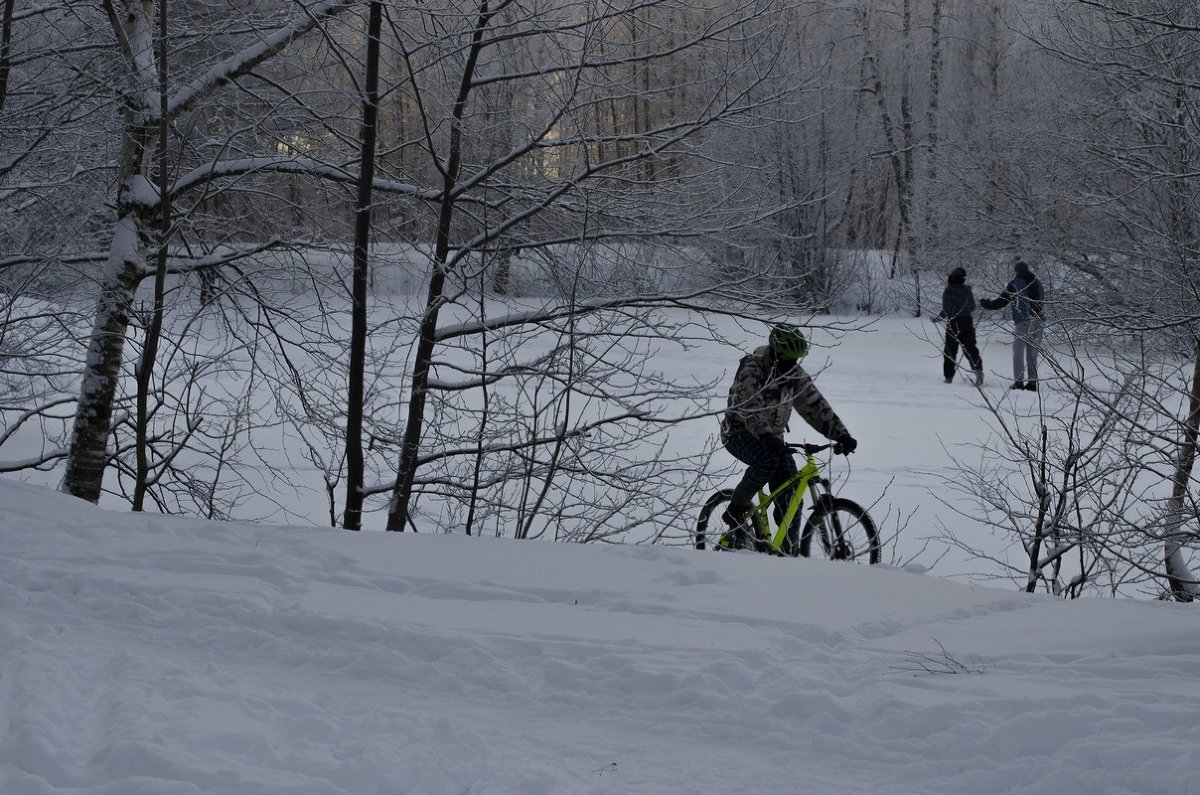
709	527
843	530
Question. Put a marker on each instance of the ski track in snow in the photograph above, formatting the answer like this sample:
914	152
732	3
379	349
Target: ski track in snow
152	656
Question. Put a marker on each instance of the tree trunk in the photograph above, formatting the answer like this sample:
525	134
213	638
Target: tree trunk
931	147
901	173
398	511
1038	540
907	124
88	452
154	330
352	517
1184	585
93	414
6	48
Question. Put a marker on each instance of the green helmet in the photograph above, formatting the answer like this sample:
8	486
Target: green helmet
788	342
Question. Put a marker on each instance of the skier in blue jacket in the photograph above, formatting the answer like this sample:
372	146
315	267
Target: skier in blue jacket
1026	296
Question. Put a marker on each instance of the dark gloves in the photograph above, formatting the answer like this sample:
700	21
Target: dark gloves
846	444
989	303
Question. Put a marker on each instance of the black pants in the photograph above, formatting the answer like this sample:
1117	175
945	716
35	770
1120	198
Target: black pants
960	331
772	465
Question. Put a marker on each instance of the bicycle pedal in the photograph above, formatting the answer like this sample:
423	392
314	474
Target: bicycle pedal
734	540
764	547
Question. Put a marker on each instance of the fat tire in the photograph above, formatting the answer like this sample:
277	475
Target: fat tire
865	537
703	538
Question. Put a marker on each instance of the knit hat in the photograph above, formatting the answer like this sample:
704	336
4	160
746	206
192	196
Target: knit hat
957	276
1020	266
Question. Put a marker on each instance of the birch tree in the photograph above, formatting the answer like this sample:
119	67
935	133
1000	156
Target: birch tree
138	203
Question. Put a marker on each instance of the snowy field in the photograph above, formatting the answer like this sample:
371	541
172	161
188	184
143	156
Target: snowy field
148	655
882	376
142	655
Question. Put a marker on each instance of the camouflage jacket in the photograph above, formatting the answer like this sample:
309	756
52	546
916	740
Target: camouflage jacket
761	401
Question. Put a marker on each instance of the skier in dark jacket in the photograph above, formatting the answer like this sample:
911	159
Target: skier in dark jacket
768	386
958	305
1027	297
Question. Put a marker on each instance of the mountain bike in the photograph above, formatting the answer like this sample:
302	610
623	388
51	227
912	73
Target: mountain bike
843	528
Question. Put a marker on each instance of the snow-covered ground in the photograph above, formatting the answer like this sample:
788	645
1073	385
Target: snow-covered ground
143	655
150	655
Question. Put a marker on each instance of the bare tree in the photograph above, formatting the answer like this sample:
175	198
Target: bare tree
138	205
362	242
1140	211
154	328
6	48
1066	482
897	135
569	187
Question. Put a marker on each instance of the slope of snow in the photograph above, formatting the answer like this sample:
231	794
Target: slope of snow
150	655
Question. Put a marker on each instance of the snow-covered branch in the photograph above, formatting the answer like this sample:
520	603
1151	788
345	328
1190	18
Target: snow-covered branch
217	169
243	62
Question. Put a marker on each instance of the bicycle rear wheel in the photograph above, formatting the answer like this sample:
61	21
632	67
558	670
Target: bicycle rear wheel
709	537
843	529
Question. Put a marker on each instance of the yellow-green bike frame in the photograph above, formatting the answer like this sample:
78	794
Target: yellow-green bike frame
837	523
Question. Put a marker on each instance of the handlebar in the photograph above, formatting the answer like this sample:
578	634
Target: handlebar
813	449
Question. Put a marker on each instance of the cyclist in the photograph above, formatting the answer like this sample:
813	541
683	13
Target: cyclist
770	383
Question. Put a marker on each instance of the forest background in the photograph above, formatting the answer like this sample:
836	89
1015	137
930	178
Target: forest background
432	247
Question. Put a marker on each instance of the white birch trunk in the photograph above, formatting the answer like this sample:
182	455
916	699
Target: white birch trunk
1184	585
136	204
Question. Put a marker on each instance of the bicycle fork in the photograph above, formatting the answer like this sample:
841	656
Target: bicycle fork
833	535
